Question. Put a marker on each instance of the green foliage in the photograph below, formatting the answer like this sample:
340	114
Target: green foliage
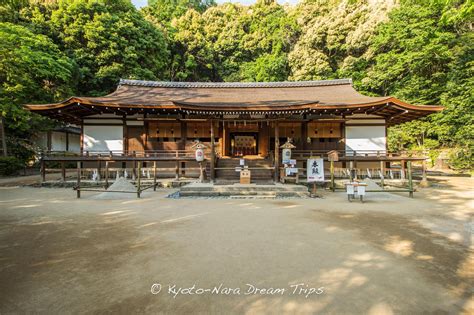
462	158
164	11
335	36
108	39
32	69
232	43
419	51
424	54
10	165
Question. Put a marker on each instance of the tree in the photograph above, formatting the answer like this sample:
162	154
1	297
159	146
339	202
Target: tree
335	37
424	55
32	69
233	43
164	11
272	32
108	39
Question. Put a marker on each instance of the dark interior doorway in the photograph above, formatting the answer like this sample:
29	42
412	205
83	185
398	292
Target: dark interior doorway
243	143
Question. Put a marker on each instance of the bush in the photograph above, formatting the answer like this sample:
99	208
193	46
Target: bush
9	165
461	159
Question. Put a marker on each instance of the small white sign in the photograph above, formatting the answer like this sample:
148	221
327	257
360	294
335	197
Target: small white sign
315	170
242	162
292	162
291	170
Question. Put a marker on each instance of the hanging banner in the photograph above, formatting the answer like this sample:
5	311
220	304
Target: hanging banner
315	170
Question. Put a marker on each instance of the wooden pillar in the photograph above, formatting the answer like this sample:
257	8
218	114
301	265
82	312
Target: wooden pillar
78	185
106	174
382	174
125	135
81	140
351	167
139	176
63	171
201	172
277	152
49	140
67	141
176	168
213	151
354	165
304	134
410	180
99	169
154	175
43	171
403	165
224	140
134	170
184	135
333	184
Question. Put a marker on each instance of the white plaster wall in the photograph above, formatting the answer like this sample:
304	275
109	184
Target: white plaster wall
74	142
58	141
364	138
103	138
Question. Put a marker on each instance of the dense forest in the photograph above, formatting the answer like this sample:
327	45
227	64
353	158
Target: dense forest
421	51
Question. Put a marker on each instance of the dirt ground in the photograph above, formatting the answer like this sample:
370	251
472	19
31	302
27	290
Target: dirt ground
389	255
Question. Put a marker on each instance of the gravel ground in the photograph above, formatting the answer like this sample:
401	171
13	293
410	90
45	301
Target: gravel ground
396	255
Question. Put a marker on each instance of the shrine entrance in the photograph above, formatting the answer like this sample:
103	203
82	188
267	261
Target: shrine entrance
243	143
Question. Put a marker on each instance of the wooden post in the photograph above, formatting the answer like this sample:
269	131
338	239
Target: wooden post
354	166
49	141
213	151
154	175
125	135
277	152
176	168
382	174
63	171
402	174
81	139
184	135
134	171
106	174
139	176
333	184
424	179
43	171
224	151
304	134
410	181
99	169
201	172
67	141
351	166
78	186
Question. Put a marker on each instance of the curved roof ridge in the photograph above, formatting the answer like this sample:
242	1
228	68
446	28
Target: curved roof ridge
173	84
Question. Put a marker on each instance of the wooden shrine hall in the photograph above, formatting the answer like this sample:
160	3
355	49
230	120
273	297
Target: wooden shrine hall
251	120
